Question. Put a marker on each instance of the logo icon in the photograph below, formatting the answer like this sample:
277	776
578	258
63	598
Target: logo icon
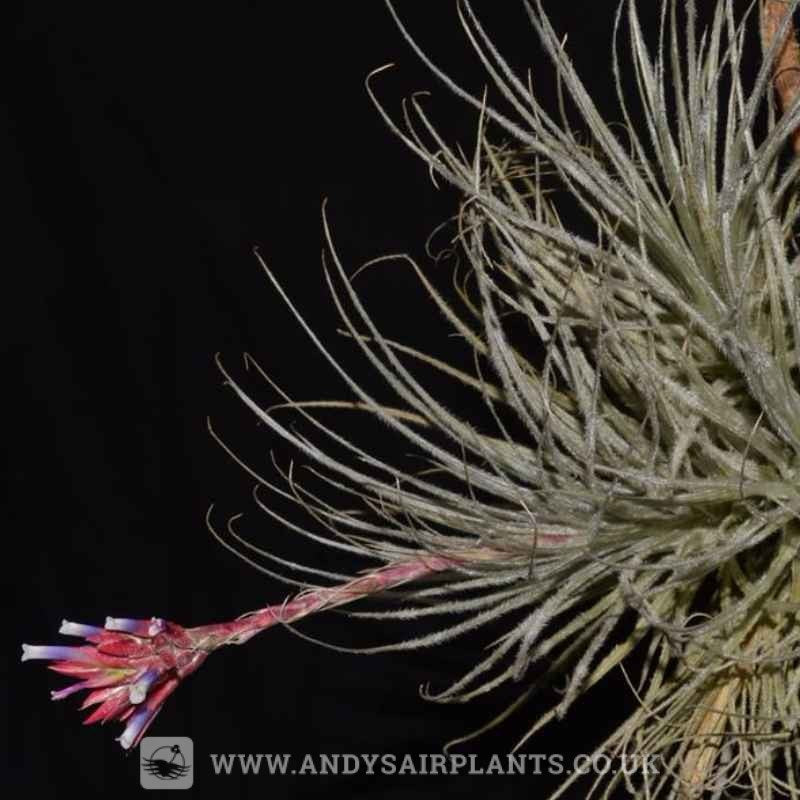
166	762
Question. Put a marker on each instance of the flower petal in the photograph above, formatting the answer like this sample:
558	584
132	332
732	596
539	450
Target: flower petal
78	629
55	653
113	707
137	691
138	627
137	725
60	694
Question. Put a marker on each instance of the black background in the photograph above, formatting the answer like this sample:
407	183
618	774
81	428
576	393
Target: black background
152	149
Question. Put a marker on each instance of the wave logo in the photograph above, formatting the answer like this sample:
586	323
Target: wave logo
166	762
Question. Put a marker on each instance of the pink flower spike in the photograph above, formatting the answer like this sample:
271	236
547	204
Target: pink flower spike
131	666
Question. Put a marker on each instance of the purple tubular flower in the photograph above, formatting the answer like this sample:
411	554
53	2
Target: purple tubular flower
138	691
31	652
77	629
138	627
138	723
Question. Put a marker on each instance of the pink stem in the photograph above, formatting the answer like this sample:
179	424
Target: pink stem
242	629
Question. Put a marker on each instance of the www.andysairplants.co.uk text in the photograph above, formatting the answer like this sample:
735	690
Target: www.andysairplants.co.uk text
432	764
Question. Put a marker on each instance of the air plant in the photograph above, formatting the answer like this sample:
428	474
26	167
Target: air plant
650	500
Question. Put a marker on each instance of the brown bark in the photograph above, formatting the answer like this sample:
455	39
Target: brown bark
786	77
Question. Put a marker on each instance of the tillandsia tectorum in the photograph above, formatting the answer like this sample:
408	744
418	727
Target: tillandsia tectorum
648	498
